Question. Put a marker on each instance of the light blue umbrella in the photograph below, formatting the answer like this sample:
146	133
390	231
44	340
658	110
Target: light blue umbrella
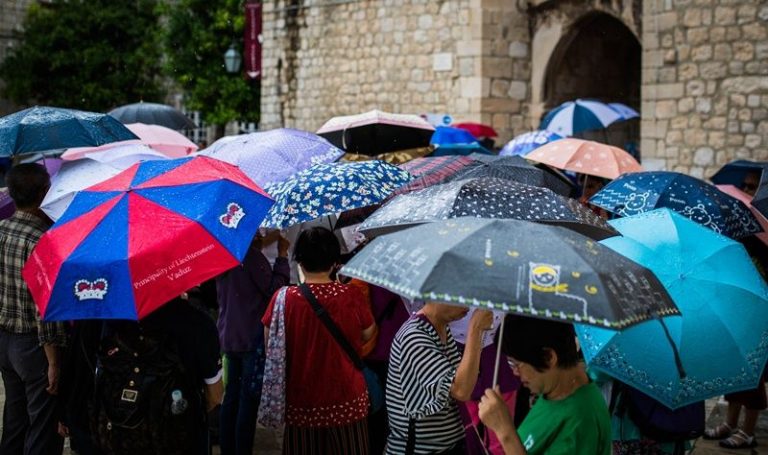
50	129
719	344
624	111
270	157
327	189
576	116
527	142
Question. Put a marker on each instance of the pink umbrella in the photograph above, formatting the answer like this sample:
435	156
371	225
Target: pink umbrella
747	199
586	157
164	140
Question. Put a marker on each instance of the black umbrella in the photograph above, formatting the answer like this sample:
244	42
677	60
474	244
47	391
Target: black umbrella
153	114
516	169
514	266
485	198
760	201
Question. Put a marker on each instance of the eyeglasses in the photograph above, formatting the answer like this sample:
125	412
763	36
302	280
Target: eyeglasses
512	364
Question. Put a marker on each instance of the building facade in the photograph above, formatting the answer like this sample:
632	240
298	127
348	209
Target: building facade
696	70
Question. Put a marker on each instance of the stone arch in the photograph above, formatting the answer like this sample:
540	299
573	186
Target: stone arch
597	56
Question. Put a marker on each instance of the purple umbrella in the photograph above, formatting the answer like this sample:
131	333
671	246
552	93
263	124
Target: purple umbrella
7	207
272	156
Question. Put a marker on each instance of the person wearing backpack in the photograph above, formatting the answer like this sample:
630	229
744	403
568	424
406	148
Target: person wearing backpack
155	383
570	415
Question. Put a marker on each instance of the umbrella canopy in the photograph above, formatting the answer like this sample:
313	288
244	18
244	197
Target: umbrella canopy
734	172
760	201
131	243
516	169
732	191
515	266
327	189
461	150
432	170
476	129
153	114
483	198
7	207
376	132
164	140
696	199
586	157
50	129
74	176
624	111
449	135
272	156
527	142
576	116
721	336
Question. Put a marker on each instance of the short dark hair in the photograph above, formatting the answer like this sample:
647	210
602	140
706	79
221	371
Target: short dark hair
27	184
529	340
317	249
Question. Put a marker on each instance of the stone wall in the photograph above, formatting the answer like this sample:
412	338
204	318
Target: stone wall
705	83
12	14
469	58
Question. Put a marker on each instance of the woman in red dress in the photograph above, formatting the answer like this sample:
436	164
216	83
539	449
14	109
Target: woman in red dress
326	397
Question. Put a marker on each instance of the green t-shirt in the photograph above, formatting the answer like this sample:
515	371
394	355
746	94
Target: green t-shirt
578	424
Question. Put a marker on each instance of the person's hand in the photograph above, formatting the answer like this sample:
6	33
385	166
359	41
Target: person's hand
282	246
494	413
482	320
63	430
53	379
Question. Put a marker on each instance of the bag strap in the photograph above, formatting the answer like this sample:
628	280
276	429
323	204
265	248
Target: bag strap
329	324
410	445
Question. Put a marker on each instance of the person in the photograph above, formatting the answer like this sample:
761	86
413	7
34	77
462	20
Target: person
176	330
751	182
426	376
29	348
243	293
570	414
326	396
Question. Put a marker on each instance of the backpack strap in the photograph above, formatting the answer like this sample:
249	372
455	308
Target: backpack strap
325	318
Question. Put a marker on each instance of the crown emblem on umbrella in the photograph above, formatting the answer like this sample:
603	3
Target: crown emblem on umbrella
91	290
233	216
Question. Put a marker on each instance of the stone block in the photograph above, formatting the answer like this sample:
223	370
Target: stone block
499	88
716	139
743	51
732	33
496	67
474	87
695	137
688	71
747	84
425	21
674	137
692	17
518	90
725	15
754	31
753	141
696	171
713	70
722	51
695	88
500	105
666	109
747	127
679	123
442	62
666	21
668	75
701	53
703	105
685	105
518	49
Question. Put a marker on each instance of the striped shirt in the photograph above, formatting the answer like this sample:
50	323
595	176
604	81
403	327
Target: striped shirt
421	372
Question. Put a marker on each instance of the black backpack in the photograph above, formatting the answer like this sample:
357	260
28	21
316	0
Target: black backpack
136	373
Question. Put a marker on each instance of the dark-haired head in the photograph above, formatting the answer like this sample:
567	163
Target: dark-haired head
533	341
27	185
317	250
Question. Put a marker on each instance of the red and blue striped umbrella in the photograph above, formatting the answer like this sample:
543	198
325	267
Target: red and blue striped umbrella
129	244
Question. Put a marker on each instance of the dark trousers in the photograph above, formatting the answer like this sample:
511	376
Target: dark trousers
29	415
242	395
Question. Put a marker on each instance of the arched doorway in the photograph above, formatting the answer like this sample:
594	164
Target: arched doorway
598	58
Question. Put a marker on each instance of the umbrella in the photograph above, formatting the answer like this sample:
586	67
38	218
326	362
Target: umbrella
527	142
721	338
734	172
515	266
516	169
576	116
432	170
461	150
586	157
133	242
78	175
449	135
624	111
644	191
326	189
483	198
164	140
760	201
272	156
476	129
376	132
153	114
732	191
50	129
7	207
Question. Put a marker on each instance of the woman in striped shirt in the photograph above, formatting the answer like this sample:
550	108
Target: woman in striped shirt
426	374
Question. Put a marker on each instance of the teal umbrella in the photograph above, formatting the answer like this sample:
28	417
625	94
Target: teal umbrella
719	344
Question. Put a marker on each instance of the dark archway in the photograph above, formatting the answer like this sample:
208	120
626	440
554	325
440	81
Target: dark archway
598	58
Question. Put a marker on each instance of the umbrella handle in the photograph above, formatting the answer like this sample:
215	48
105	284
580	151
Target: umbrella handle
678	362
498	354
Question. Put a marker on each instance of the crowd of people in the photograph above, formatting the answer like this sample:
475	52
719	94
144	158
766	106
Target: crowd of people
250	347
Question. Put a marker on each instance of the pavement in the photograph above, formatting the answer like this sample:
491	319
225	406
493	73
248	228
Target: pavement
269	442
